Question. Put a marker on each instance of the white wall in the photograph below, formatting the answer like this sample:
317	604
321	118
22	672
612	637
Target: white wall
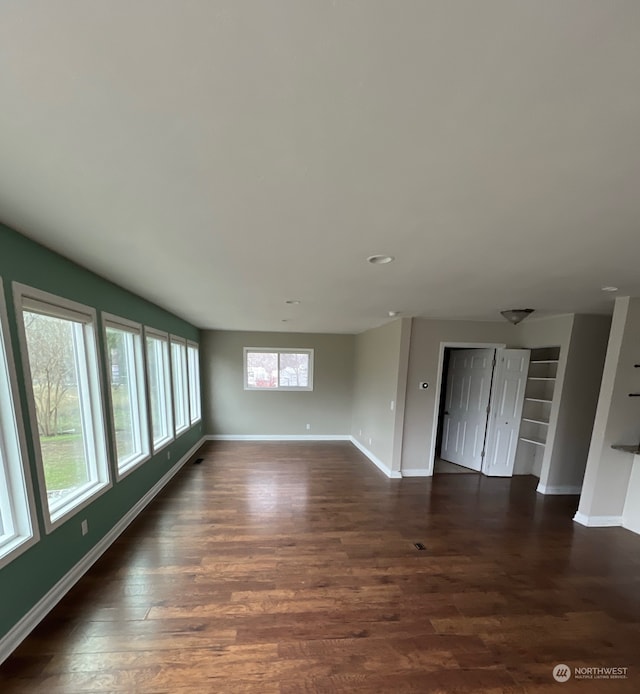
606	485
427	340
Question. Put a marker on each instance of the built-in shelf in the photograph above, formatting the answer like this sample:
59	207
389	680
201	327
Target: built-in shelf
533	441
535	430
635	448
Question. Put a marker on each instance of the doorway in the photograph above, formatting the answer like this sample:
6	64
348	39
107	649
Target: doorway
480	394
467	376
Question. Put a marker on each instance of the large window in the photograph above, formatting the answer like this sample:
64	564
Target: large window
180	383
278	369
17	523
159	387
193	358
123	341
61	364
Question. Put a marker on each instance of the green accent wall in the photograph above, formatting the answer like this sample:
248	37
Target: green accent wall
30	576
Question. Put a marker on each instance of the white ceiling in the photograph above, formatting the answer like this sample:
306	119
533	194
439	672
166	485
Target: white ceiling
220	157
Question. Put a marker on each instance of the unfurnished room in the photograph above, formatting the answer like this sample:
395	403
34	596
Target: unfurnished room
319	346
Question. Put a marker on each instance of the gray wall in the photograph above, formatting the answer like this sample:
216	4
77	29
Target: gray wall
577	409
583	343
427	337
379	380
231	410
607	477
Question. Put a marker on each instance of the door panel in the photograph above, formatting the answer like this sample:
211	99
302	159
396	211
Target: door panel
466	402
509	384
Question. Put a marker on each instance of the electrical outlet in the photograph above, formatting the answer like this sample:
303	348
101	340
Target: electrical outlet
359	432
308	427
84	526
392	405
168	455
370	440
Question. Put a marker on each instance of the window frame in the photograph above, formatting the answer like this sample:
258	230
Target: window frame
193	420
114	322
157	446
16	486
181	342
66	309
279	351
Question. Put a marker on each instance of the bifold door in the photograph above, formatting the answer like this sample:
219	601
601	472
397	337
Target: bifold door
466	403
509	381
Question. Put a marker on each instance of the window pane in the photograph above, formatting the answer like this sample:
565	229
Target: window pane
58	370
179	371
160	397
262	369
294	370
194	383
122	346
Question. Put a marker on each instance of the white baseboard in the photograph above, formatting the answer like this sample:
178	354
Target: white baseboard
393	474
418	472
278	437
15	636
566	489
597	521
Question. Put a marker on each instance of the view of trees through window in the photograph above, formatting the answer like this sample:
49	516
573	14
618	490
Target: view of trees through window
121	346
56	349
159	388
277	369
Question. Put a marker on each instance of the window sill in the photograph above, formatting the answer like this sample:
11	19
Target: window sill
71	507
13	548
132	465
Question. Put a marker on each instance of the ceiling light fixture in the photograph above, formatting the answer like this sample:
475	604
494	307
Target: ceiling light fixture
516	315
380	259
393	314
609	289
293	302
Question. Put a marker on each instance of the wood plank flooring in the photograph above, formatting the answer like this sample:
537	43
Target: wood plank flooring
291	568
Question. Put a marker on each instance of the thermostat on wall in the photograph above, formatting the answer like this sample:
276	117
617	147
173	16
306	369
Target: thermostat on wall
424	385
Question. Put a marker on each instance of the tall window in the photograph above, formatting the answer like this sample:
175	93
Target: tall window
159	387
123	341
66	406
180	383
17	524
193	359
278	369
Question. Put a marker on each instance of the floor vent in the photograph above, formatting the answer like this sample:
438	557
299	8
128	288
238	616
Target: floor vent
197	461
419	545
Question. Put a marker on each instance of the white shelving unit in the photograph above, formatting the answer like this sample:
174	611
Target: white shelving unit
536	411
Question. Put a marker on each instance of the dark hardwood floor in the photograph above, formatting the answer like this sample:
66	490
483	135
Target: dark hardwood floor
292	568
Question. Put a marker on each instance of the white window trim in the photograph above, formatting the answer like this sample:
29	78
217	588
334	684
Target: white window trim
19	482
176	339
116	322
194	420
66	308
156	447
279	351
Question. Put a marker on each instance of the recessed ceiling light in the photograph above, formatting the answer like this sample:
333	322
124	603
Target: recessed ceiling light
380	259
609	289
294	302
